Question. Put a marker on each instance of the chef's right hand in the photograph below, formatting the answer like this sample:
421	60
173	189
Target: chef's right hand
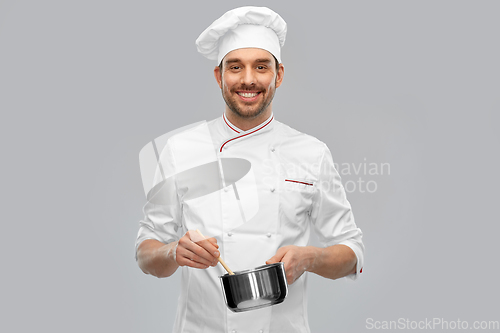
194	250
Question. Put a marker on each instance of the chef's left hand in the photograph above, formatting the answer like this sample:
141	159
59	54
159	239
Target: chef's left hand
296	259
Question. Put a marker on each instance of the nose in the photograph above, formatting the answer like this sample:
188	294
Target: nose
248	77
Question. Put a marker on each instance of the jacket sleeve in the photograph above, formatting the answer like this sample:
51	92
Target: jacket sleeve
162	211
331	214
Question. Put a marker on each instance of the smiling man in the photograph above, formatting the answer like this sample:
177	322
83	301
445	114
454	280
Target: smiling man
248	79
289	188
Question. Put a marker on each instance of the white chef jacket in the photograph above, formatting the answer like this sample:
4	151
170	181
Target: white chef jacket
297	188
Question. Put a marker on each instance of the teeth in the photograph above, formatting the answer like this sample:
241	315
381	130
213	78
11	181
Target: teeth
247	94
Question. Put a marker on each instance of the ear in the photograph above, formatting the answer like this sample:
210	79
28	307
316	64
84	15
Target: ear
218	76
279	75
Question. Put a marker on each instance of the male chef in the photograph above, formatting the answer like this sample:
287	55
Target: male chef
286	185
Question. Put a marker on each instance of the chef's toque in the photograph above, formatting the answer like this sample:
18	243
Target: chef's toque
244	27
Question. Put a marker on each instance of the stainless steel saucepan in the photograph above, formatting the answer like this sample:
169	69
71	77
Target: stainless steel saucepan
255	288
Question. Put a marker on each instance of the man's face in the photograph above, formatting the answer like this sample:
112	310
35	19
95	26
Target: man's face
248	81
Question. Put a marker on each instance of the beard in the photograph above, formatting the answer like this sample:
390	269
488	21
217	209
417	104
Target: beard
247	110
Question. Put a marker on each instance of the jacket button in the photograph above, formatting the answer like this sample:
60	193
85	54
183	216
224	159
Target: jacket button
226	188
272	189
261	331
272	149
230	234
268	235
233	331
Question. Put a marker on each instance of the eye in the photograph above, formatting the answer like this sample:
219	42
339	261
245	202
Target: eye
261	67
235	67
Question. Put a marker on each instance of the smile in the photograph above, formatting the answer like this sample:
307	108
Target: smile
248	94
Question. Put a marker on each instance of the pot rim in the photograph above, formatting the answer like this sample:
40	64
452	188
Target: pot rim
252	270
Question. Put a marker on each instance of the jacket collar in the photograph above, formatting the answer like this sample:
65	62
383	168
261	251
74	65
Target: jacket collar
233	130
234	133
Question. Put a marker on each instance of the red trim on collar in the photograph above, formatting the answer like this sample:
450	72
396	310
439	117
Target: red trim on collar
258	129
227	123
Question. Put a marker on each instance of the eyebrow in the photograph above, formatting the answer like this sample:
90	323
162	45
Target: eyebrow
231	61
234	60
267	60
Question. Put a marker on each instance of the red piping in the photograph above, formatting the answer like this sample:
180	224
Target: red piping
296	181
220	150
224	116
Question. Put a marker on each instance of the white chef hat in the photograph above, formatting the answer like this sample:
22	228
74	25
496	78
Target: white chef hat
243	27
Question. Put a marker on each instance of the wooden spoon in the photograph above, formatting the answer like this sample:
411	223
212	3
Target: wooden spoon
220	259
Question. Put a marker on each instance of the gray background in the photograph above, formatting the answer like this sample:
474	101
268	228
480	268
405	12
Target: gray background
85	84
